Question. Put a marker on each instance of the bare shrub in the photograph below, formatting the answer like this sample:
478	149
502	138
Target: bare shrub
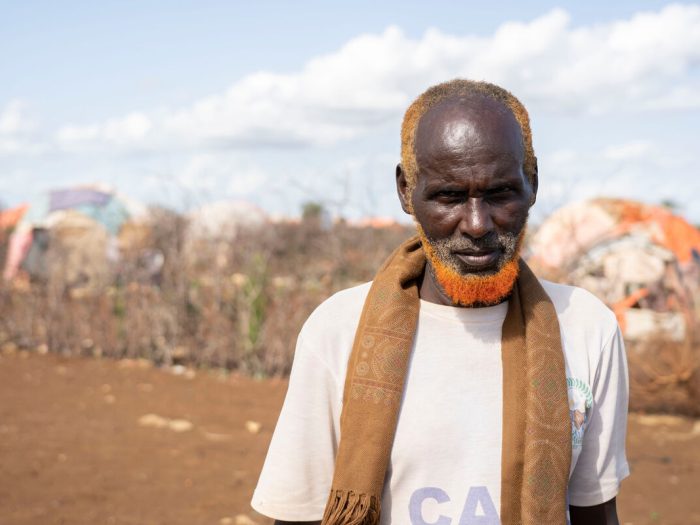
665	376
239	304
234	303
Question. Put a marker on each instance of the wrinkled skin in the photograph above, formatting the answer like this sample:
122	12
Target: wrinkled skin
471	197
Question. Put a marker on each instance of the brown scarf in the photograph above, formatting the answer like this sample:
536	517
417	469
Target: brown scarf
536	451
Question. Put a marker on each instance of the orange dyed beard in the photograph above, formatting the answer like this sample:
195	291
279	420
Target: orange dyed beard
473	289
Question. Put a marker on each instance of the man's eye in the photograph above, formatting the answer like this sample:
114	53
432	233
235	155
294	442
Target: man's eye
450	195
500	192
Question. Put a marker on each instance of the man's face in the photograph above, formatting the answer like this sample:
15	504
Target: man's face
471	198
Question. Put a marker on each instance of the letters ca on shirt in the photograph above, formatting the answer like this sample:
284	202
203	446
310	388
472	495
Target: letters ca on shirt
426	507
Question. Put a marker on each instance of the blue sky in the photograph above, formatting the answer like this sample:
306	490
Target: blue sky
279	102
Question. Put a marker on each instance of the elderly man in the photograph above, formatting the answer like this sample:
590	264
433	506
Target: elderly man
456	388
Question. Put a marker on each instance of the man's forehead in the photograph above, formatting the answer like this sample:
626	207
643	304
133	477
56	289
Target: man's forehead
474	120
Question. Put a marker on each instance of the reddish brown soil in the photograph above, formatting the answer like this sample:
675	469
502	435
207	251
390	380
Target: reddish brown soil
72	450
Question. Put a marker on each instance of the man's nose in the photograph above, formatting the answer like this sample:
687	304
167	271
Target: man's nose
476	219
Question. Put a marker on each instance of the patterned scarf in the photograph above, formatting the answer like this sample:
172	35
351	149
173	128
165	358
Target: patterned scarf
536	448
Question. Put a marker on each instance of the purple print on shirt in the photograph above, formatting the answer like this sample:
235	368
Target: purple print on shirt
478	507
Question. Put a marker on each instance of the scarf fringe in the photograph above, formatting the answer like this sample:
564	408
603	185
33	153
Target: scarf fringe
350	508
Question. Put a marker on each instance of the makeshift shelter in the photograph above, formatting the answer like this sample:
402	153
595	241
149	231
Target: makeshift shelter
8	220
642	260
78	227
212	228
10	217
222	220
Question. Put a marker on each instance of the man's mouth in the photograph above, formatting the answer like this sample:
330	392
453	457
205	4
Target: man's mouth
478	260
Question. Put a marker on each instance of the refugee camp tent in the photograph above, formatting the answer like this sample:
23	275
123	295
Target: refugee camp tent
10	217
8	220
642	260
224	219
79	226
212	228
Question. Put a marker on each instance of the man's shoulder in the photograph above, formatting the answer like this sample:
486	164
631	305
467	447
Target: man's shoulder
338	315
577	307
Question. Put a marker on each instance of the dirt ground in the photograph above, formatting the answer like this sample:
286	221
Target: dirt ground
86	441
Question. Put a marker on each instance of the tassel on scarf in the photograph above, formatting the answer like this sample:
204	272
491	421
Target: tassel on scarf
349	508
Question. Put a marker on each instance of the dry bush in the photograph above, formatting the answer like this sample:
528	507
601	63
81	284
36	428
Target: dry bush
665	376
214	303
240	304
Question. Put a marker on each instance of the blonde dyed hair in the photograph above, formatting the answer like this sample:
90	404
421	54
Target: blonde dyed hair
461	88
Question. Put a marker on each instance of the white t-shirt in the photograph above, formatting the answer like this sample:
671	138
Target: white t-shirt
445	463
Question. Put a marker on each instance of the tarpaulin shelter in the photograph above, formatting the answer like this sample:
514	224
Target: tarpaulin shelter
223	219
102	206
8	221
83	220
642	260
212	228
10	217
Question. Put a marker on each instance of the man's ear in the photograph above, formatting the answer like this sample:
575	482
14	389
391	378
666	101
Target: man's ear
402	189
534	184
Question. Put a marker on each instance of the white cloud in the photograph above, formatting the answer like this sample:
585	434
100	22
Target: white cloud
14	120
640	64
628	151
221	174
634	170
16	128
128	131
678	97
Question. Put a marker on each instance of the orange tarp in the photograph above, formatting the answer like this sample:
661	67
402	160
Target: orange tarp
669	230
9	218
